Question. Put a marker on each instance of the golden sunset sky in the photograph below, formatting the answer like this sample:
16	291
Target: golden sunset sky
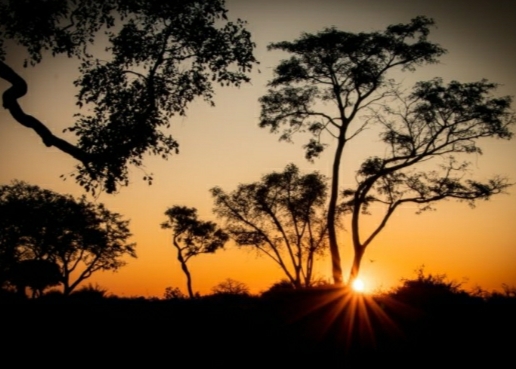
223	146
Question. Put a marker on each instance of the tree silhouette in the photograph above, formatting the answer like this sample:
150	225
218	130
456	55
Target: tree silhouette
192	237
162	55
282	217
350	71
80	237
433	125
173	293
230	287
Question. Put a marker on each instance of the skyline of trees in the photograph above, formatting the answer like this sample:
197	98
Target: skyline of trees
480	188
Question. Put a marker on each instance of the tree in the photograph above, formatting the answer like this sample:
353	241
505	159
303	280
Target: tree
80	237
281	216
192	237
350	70
231	287
433	125
162	55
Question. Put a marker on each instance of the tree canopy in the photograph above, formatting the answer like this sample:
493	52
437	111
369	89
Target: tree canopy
81	237
160	57
436	121
435	124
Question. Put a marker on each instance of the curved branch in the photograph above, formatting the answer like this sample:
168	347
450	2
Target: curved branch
10	102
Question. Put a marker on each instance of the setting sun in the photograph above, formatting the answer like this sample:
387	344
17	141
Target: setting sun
358	285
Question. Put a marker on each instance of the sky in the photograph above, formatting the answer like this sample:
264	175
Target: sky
223	146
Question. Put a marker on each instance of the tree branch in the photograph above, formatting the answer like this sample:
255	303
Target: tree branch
10	102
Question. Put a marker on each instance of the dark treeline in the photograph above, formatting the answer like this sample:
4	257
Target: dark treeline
425	320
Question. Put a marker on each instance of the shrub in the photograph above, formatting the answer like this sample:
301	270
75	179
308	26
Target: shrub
428	288
94	292
231	287
173	293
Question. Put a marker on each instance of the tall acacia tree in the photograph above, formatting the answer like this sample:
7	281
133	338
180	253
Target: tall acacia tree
192	237
351	71
161	56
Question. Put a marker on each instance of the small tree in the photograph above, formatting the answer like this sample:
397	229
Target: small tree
82	238
173	293
282	217
436	121
192	237
161	56
230	287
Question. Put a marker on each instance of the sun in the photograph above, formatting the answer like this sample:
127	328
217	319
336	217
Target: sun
358	285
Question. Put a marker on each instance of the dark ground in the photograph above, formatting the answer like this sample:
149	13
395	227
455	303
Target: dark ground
314	327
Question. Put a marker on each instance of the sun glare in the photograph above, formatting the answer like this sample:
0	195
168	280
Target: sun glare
358	285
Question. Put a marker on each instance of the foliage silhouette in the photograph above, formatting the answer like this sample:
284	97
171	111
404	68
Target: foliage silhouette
173	293
90	293
82	238
162	55
329	325
506	296
433	123
282	217
230	287
428	285
283	284
192	237
35	274
509	290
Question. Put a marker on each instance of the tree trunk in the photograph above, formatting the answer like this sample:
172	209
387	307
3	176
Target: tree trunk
185	270
67	290
188	280
332	209
355	268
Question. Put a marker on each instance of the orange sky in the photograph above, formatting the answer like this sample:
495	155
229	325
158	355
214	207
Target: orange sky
223	146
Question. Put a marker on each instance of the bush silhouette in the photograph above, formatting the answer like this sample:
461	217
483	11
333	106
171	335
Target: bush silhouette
173	293
428	289
231	287
90	292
